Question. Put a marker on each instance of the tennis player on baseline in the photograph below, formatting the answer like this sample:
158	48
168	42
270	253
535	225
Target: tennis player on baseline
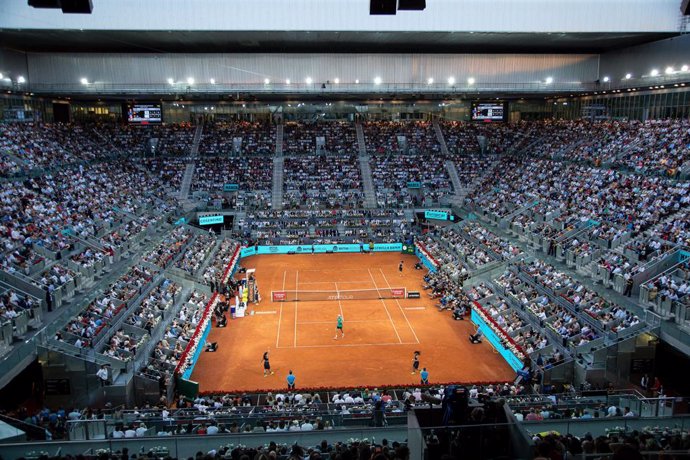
339	327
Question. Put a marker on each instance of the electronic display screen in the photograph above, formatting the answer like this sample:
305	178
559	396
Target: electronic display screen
143	114
489	111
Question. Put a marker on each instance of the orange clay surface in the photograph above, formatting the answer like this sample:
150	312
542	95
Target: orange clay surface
380	335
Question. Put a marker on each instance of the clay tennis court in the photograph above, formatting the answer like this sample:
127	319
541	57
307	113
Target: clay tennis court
380	335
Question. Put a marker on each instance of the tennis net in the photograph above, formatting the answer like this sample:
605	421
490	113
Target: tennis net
352	294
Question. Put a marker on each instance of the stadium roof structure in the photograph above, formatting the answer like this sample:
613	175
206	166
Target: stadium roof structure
445	26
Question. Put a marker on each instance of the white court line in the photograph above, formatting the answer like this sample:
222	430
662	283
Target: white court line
415	308
320	270
401	309
340	305
280	317
331	322
353	345
386	308
269	312
331	282
296	290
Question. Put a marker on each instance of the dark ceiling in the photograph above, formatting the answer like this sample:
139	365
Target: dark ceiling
316	42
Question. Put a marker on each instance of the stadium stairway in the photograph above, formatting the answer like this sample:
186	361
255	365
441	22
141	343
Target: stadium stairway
454	178
361	142
279	142
187	180
441	141
367	183
277	192
194	152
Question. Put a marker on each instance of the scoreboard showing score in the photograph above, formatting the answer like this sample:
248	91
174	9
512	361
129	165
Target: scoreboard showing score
488	111
143	114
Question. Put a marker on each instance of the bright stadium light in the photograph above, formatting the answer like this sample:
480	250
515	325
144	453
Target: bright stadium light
357	82
213	81
430	81
266	81
336	81
377	80
171	81
606	79
549	80
190	81
451	80
669	70
684	68
628	76
287	82
1	76
470	81
654	72
20	79
308	81
84	81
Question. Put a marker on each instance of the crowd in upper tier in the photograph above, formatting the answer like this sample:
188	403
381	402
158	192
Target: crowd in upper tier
252	138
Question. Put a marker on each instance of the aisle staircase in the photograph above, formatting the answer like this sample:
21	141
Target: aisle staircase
454	178
367	183
191	164
187	180
277	193
194	152
441	140
279	141
361	141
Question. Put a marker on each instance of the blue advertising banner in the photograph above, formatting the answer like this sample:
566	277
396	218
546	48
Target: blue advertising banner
211	220
414	185
427	263
494	340
319	248
231	187
438	215
246	252
202	345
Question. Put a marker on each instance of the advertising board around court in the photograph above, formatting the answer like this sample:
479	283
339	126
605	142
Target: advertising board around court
319	249
494	340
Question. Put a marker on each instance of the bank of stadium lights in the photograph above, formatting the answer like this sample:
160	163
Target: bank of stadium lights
654	72
470	81
308	80
213	81
377	80
628	76
682	69
267	81
336	81
84	81
430	81
356	82
287	82
451	81
669	70
171	81
190	81
606	79
548	80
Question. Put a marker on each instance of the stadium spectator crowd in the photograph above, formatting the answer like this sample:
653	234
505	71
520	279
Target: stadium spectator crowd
256	138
